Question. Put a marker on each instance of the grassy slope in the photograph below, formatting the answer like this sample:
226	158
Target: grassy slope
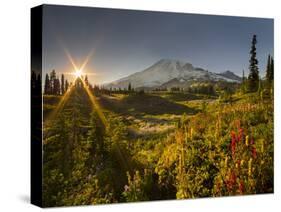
151	121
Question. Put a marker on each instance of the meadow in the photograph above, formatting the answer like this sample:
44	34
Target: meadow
108	147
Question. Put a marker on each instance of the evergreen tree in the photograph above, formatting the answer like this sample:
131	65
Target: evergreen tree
38	84
272	69
47	85
243	86
268	69
56	89
86	80
129	87
52	81
62	84
253	79
35	83
66	85
260	86
33	80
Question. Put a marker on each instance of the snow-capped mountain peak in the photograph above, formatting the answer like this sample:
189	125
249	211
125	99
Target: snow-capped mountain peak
166	70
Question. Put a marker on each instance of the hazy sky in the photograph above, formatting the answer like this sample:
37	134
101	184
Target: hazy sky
124	41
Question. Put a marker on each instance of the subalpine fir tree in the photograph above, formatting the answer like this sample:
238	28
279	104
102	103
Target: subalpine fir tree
243	85
271	69
86	80
38	84
66	85
52	81
272	76
62	84
253	79
56	89
268	67
47	85
33	80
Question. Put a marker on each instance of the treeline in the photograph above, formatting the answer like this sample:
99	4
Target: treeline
202	88
35	84
55	85
253	82
98	89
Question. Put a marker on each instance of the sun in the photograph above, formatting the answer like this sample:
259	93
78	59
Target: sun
78	73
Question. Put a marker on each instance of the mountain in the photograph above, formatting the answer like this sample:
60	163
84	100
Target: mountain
171	73
230	75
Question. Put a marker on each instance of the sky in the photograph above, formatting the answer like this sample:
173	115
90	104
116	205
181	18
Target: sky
121	42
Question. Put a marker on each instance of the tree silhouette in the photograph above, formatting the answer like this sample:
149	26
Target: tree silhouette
269	70
38	84
253	79
66	85
86	80
272	69
52	81
56	87
268	67
47	85
33	80
62	84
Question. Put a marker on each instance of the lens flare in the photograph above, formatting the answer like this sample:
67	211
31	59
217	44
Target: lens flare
78	73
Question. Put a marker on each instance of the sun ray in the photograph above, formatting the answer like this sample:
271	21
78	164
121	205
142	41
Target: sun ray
60	105
124	162
86	61
70	59
78	74
95	104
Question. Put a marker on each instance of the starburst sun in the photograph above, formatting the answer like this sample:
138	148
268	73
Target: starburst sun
78	73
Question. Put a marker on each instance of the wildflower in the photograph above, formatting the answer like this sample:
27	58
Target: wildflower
229	182
191	132
241	187
232	179
237	164
262	146
185	133
218	186
252	141
217	129
247	140
254	152
226	161
240	134
250	167
238	124
233	142
126	188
